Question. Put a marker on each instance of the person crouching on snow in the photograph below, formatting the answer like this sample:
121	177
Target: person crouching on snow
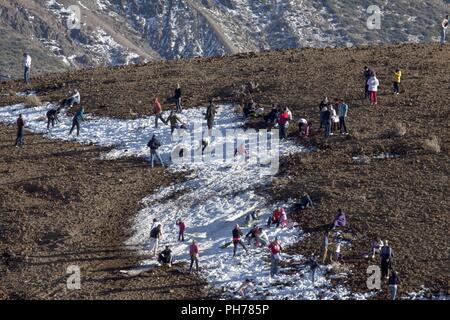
276	217
165	256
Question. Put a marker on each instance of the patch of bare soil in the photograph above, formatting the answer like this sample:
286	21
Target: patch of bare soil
402	199
61	206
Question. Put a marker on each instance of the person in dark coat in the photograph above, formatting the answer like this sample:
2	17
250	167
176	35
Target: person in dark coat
272	116
327	121
393	282
76	121
340	220
52	116
367	73
305	202
177	98
237	234
210	115
313	265
154	144
386	259
20	125
165	256
181	228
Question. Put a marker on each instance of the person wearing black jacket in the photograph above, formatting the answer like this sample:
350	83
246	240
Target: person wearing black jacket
165	256
52	116
393	282
367	73
237	234
327	121
177	98
387	256
314	265
154	144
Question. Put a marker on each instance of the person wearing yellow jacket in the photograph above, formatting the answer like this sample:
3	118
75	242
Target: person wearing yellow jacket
397	77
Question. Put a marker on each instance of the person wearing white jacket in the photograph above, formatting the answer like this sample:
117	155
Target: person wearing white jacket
26	67
373	84
444	29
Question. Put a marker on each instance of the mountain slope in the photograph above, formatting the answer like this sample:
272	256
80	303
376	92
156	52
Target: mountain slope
114	32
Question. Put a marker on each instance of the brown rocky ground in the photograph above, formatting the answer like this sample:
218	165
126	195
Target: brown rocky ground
403	199
61	206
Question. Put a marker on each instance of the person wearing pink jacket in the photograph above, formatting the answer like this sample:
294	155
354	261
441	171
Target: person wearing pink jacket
181	228
194	253
275	249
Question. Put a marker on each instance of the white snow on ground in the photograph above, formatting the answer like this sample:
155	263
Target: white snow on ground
211	200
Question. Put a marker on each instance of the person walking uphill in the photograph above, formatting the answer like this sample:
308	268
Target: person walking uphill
79	116
19	137
157	110
373	84
154	144
26	67
275	249
194	253
397	77
237	234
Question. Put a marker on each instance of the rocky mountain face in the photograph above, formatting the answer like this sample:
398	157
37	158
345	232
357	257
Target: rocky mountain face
62	34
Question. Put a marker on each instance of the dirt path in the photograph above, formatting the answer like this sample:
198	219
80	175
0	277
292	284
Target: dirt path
60	207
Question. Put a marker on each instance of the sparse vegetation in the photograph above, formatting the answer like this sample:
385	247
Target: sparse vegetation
32	101
431	144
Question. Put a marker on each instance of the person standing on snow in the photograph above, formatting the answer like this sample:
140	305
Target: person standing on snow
181	229
396	84
237	234
444	29
275	249
283	123
386	262
26	67
343	111
76	121
154	144
52	116
20	122
157	110
155	236
194	253
210	115
393	282
373	84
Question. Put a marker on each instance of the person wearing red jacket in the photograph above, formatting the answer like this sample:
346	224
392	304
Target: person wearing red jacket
181	229
157	110
283	120
276	217
194	253
20	124
275	249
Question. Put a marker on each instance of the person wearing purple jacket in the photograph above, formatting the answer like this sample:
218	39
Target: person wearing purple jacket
194	252
340	220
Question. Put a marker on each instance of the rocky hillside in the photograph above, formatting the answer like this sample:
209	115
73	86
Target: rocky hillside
113	32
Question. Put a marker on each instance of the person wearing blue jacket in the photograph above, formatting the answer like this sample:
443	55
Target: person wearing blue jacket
79	116
343	111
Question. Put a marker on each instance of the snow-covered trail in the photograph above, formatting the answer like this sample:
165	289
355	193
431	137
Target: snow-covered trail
211	200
